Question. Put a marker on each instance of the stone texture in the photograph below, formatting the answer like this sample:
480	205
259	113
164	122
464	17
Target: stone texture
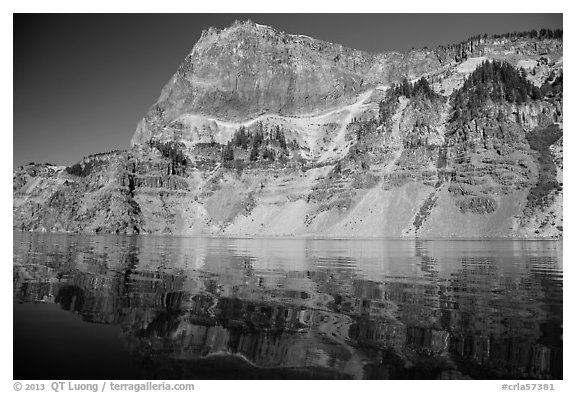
342	171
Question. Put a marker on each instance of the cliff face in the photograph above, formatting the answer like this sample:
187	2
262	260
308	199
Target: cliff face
265	133
246	70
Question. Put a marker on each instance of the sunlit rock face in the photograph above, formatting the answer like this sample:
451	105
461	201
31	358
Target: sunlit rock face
263	133
248	69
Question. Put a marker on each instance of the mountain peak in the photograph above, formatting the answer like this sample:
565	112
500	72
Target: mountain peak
268	133
247	30
245	26
246	70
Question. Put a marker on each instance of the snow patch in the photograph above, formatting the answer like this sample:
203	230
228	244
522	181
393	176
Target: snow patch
526	63
301	36
338	147
471	64
57	168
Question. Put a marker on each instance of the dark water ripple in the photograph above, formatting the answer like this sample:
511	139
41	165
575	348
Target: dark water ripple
203	308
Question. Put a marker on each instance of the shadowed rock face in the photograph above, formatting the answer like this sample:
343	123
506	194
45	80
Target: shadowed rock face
248	69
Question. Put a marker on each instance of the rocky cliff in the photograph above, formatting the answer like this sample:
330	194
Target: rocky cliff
265	133
248	70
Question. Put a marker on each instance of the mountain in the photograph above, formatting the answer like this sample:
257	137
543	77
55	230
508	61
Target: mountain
249	70
265	133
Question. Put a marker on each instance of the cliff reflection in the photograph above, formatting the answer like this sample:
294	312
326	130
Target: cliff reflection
349	309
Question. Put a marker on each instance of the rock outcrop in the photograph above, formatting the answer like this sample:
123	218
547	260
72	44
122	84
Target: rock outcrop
248	70
265	133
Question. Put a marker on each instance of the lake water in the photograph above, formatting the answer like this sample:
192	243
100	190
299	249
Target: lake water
140	307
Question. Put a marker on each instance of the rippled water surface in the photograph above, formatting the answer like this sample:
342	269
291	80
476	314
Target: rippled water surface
130	307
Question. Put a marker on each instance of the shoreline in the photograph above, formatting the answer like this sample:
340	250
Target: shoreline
302	237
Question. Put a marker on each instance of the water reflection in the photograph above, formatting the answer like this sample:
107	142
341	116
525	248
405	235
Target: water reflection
320	308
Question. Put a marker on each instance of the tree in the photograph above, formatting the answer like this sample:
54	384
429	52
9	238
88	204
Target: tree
557	34
227	153
268	154
536	93
406	88
254	153
282	141
338	168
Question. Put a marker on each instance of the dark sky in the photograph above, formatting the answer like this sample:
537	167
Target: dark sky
82	82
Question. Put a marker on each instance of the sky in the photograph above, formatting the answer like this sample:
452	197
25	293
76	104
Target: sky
81	82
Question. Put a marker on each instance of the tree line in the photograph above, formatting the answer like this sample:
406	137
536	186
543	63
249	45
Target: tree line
542	34
262	142
495	81
172	150
419	89
461	50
